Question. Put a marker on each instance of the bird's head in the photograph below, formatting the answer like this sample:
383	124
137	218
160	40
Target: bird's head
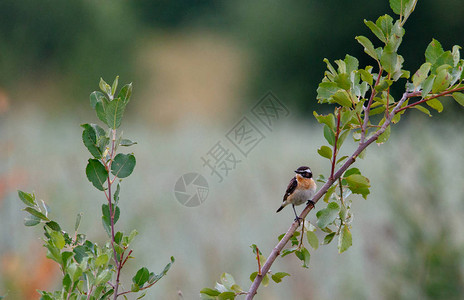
304	172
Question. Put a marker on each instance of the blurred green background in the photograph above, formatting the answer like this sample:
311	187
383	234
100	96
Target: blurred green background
197	68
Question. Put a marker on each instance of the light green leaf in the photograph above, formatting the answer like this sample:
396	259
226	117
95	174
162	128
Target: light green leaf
422	109
227	295
433	51
368	46
326	90
329	119
328	238
101	260
57	239
125	93
343	98
28	199
103	277
375	30
105	87
421	74
127	143
459	97
344	240
115	85
388	61
141	277
327	215
123	165
427	85
456	55
442	81
312	239
435	104
31	220
96	173
358	184
78	221
209	292
384	136
325	151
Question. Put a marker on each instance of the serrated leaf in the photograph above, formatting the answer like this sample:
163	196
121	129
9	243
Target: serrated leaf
327	215
114	112
96	173
26	198
344	240
312	239
329	119
123	165
325	151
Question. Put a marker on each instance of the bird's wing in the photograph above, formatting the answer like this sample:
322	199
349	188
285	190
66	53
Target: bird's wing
290	188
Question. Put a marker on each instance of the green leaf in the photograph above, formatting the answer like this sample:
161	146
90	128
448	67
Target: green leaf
341	138
422	109
385	23
421	74
459	97
312	239
265	281
115	85
433	51
326	90
78	221
103	277
400	6
209	292
327	215
96	173
127	143
351	171
67	282
28	199
288	251
31	220
304	256
325	151
329	119
36	213
74	271
388	61
125	93
53	225
141	277
343	98
100	108
344	240
106	212
329	193
384	136
352	63
435	104
358	184
114	112
368	46
441	82
123	165
226	296
456	55
427	85
101	260
96	97
343	81
277	277
375	30
105	87
329	135
89	137
155	278
328	238
366	76
57	239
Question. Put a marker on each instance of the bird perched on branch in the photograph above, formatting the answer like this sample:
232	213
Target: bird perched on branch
301	189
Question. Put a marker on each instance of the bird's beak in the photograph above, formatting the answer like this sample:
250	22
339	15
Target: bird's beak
296	171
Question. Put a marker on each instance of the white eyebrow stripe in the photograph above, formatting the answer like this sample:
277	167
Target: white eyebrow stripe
308	170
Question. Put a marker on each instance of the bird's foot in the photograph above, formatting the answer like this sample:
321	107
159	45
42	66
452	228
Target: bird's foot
313	204
298	219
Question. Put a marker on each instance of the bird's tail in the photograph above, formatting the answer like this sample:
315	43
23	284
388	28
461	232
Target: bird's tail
280	208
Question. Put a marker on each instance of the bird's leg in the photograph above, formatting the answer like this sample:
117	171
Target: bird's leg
297	218
311	202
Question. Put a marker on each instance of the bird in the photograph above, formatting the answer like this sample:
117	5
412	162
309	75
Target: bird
300	189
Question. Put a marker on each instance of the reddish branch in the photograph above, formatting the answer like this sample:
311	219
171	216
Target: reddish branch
334	155
362	145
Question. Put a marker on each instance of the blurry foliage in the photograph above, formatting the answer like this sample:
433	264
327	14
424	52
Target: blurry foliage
428	263
73	41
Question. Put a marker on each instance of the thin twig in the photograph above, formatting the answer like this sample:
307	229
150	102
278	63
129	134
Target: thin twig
278	248
433	97
334	155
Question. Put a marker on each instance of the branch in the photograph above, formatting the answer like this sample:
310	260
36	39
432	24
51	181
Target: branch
433	97
362	145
